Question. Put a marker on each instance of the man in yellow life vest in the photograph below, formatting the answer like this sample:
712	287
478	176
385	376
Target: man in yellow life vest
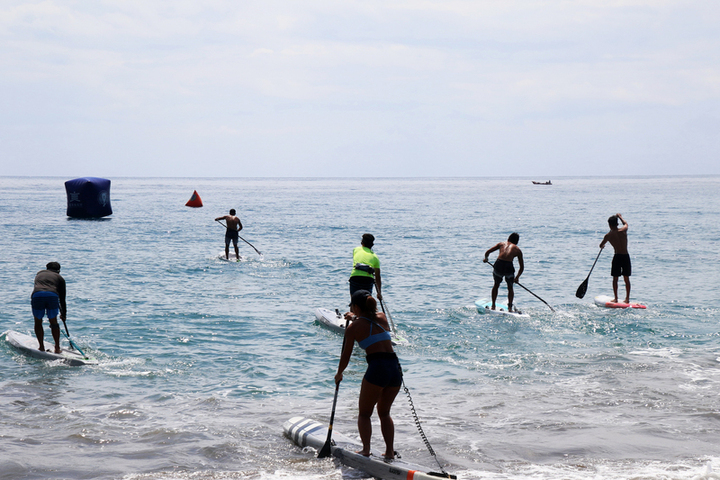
366	268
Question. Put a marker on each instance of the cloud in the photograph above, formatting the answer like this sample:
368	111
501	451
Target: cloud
312	88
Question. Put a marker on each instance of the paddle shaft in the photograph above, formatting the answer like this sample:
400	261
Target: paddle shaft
72	344
528	290
580	293
593	265
387	313
241	238
325	450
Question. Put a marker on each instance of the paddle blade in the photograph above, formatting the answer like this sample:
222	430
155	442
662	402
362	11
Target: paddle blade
582	289
325	451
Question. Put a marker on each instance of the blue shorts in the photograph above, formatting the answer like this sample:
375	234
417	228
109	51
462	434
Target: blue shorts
383	370
42	302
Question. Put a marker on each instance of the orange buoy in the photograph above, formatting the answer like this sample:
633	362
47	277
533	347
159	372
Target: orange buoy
194	201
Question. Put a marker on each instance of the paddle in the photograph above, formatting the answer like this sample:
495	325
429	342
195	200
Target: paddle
72	344
325	451
387	314
528	290
531	293
583	286
241	238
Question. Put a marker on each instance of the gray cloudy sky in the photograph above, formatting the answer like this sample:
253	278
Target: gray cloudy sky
359	88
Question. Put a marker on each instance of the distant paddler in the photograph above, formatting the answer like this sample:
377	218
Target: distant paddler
504	268
366	268
233	225
48	296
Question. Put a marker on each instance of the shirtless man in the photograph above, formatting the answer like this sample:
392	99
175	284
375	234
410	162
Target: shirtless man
234	225
504	268
621	261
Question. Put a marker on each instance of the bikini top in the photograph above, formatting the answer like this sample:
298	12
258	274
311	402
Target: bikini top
372	339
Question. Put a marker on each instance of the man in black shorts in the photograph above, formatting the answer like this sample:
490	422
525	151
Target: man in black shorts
232	233
617	236
504	268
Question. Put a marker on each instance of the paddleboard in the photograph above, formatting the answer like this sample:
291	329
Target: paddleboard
232	257
28	345
305	432
607	302
335	321
484	305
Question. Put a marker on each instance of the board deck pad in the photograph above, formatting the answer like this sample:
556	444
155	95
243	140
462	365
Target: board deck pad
28	345
305	432
607	302
484	305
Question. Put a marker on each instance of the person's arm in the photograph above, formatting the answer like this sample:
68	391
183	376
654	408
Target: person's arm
522	266
348	344
624	224
496	247
604	241
220	218
240	227
378	283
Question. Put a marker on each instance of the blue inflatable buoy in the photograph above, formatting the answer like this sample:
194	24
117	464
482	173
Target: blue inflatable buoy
88	197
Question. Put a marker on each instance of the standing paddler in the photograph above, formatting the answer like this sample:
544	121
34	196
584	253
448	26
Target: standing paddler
504	268
233	226
617	236
383	377
366	267
48	296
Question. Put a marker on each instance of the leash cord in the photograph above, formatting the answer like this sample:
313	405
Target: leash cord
420	429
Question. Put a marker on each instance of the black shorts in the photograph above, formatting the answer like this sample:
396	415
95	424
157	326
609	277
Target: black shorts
231	236
358	282
504	269
621	265
383	370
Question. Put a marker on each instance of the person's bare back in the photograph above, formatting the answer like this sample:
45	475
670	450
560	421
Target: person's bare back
508	251
617	237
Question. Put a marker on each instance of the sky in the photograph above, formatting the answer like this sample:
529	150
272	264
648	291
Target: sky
371	88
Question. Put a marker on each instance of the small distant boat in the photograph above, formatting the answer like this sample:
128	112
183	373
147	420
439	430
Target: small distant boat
542	183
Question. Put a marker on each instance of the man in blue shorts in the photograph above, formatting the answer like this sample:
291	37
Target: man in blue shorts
617	236
504	268
48	296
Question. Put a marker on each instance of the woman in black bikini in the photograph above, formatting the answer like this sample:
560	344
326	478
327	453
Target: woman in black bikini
383	377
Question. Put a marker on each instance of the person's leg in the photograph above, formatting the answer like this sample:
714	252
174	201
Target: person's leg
615	287
55	330
387	427
511	292
40	334
627	288
495	289
369	396
237	252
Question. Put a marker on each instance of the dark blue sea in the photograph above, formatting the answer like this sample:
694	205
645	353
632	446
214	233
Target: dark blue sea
201	361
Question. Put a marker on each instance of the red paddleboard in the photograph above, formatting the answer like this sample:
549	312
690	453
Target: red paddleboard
607	302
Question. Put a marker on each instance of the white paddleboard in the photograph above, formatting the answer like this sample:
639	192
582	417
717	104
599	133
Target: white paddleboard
335	321
484	305
607	302
28	345
305	432
232	257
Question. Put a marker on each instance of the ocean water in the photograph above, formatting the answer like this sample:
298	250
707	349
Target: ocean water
201	360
